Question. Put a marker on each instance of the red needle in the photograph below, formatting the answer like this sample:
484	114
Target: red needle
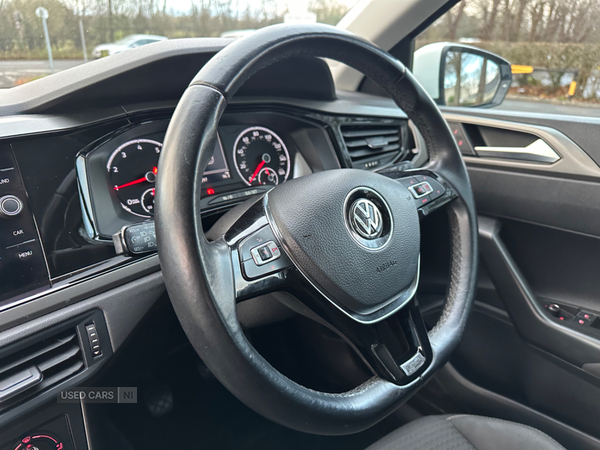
139	180
131	183
262	163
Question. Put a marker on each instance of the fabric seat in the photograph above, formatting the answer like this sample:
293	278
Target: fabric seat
465	432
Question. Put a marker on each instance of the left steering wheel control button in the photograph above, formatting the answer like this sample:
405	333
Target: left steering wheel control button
265	253
252	270
10	205
261	255
258	239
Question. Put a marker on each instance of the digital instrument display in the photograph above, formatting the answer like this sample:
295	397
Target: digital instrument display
217	169
133	168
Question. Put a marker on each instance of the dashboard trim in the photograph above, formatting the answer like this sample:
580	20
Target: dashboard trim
72	291
573	160
32	124
29	125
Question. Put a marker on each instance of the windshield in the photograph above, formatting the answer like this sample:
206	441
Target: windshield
39	37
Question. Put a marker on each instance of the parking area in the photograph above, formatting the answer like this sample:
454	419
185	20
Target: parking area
13	73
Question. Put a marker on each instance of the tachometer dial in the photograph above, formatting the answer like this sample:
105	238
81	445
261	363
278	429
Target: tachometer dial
261	157
268	176
132	169
148	201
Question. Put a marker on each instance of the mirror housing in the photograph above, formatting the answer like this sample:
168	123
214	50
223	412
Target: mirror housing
462	75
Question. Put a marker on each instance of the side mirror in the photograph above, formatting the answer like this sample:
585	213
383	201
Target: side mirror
462	75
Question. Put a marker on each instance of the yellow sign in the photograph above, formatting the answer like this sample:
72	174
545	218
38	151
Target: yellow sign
572	88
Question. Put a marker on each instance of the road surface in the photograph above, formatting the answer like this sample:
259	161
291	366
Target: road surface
13	73
549	108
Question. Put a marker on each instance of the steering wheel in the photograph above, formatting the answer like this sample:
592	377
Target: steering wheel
345	243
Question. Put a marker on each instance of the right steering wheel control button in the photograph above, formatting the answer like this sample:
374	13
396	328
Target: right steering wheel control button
437	190
420	190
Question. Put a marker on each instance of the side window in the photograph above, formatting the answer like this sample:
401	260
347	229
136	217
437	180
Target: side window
552	46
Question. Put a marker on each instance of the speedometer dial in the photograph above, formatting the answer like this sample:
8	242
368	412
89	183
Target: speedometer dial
132	169
261	157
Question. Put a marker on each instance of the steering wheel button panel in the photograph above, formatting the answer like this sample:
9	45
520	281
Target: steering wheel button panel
408	181
437	190
258	239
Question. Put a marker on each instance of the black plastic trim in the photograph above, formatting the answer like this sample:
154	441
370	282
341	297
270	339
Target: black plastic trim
59	298
92	365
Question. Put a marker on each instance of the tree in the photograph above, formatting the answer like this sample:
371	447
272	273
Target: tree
454	19
328	11
489	14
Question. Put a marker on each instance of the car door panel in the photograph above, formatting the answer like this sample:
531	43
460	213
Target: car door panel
539	230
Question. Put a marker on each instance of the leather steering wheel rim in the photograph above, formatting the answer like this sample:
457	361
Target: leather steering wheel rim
198	274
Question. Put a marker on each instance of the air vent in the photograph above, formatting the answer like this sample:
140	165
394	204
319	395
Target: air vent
370	140
39	366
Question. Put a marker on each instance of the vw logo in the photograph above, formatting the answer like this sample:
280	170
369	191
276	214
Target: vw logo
365	219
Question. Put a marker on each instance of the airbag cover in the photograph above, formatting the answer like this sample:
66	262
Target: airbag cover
311	215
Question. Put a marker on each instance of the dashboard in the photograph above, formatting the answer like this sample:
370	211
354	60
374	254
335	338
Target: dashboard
254	151
79	188
79	159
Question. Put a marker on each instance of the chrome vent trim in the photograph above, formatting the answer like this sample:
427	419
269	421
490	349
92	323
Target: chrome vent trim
368	140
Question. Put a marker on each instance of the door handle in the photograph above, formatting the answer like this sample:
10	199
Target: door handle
538	151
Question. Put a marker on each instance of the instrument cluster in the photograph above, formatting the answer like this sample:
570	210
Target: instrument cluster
253	153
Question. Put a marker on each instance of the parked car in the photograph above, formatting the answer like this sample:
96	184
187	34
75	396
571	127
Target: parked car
237	34
128	42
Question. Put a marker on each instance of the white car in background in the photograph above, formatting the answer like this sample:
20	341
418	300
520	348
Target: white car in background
237	34
128	42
